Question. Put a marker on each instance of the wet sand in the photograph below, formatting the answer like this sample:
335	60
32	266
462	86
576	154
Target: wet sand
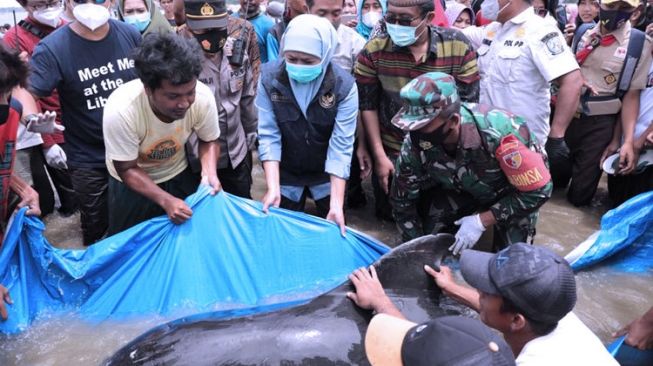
606	301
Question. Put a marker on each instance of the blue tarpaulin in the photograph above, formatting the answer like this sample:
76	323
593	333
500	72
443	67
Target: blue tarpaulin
625	241
229	255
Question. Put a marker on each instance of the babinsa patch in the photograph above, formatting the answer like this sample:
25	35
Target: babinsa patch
553	43
328	100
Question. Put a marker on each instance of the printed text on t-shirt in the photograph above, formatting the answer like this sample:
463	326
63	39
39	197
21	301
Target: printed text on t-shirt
107	83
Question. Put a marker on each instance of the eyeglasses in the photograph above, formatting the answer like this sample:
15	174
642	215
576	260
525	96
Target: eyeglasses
540	11
45	5
393	19
97	2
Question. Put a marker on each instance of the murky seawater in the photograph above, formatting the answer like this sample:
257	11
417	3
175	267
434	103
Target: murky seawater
606	300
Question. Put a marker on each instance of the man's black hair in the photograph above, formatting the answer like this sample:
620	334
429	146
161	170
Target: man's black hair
426	7
13	71
310	3
538	327
167	56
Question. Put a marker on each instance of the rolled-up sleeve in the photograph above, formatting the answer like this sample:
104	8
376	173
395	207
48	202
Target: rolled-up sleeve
269	135
341	143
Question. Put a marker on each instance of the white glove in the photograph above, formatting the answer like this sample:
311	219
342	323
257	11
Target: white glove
471	229
43	123
55	157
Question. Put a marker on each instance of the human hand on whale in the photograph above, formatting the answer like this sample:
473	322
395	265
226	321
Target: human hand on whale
370	294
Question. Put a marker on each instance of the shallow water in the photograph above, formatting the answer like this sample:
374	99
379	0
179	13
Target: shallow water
606	301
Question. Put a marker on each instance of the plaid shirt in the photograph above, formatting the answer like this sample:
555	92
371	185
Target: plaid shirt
383	68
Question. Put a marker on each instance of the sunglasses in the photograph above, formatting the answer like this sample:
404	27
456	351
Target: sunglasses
97	2
393	19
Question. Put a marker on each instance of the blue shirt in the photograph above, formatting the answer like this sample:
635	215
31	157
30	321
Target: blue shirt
85	73
341	143
262	24
272	47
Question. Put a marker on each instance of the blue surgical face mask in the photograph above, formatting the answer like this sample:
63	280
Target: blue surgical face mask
402	35
303	73
140	21
490	9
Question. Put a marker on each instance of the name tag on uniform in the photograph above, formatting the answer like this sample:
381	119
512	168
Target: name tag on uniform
278	97
620	53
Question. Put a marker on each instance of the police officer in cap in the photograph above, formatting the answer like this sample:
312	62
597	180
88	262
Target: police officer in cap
478	166
228	71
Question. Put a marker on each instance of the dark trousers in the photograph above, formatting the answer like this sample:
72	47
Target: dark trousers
355	192
238	180
382	206
624	187
587	138
90	186
128	208
323	205
64	186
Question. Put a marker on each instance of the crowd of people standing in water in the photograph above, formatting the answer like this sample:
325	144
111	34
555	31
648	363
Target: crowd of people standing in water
464	115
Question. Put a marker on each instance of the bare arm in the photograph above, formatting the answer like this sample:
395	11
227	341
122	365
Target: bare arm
370	294
273	195
462	294
208	154
362	153
629	112
137	180
27	100
28	196
640	331
336	213
383	166
567	102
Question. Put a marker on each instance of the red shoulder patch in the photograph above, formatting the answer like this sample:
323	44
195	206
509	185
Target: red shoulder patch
524	168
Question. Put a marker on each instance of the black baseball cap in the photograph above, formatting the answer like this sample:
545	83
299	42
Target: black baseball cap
448	340
536	280
206	14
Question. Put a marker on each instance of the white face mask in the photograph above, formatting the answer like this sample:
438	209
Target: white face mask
49	16
91	16
490	9
371	18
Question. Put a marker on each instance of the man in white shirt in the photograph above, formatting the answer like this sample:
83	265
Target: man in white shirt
524	291
519	56
146	124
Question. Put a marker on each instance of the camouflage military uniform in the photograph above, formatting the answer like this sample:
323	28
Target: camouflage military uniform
432	188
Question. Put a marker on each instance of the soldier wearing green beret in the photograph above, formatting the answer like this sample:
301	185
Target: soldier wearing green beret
465	164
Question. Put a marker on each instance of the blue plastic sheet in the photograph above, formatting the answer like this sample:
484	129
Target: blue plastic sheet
629	356
229	255
625	242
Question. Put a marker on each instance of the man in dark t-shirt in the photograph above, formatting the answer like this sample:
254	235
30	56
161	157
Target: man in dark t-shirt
85	61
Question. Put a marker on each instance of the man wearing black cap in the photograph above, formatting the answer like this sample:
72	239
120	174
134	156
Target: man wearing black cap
524	291
228	72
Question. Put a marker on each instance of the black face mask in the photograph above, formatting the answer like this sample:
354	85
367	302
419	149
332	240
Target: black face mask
613	19
427	140
213	40
4	113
